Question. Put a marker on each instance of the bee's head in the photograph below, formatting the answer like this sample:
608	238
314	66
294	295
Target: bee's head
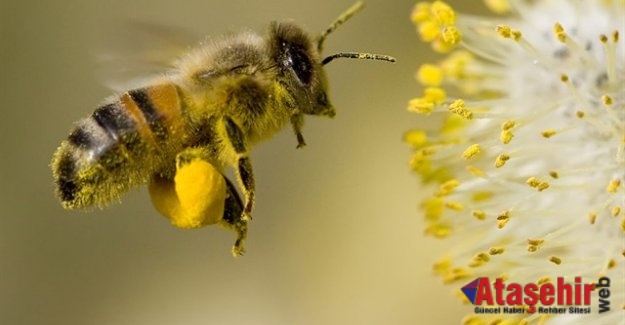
298	58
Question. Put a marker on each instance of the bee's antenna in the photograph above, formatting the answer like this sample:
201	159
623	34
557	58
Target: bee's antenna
356	7
357	55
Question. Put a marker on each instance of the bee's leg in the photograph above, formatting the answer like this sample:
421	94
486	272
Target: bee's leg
244	166
232	218
297	120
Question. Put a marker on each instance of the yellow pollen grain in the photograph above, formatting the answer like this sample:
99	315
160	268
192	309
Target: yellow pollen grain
475	171
430	75
501	160
496	250
480	215
504	31
555	260
554	174
607	100
616	211
548	133
613	186
580	114
564	78
592	217
472	151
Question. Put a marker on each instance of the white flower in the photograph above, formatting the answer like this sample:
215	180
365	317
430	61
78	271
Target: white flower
530	155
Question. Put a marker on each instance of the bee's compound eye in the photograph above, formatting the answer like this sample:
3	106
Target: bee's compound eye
302	65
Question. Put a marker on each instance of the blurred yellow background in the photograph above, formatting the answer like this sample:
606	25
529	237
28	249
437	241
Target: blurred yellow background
336	239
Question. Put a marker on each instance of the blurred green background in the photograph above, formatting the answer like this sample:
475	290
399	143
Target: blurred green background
336	239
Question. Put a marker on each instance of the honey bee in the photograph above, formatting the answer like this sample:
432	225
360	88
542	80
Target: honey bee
180	132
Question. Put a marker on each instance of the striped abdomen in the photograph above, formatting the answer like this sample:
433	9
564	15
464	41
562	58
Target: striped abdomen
119	146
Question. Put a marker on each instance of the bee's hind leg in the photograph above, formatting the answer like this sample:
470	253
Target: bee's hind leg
232	217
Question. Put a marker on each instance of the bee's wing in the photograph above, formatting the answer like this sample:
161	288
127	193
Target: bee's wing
141	50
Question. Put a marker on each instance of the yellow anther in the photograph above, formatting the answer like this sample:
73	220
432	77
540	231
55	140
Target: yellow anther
438	230
614	186
548	133
455	275
537	184
456	206
434	94
482	196
430	75
451	35
516	34
504	31
592	217
429	31
623	224
535	242
564	78
506	136
420	12
611	263
555	260
472	151
416	138
603	38
507	125
442	266
580	114
475	171
543	280
558	30
455	64
607	100
554	174
421	106
498	6
480	215
459	107
496	250
433	208
503	219
443	13
447	187
616	211
501	160
615	36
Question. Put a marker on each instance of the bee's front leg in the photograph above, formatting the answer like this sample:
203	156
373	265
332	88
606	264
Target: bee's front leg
297	120
244	166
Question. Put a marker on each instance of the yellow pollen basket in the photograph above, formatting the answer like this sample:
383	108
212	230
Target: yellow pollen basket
194	199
